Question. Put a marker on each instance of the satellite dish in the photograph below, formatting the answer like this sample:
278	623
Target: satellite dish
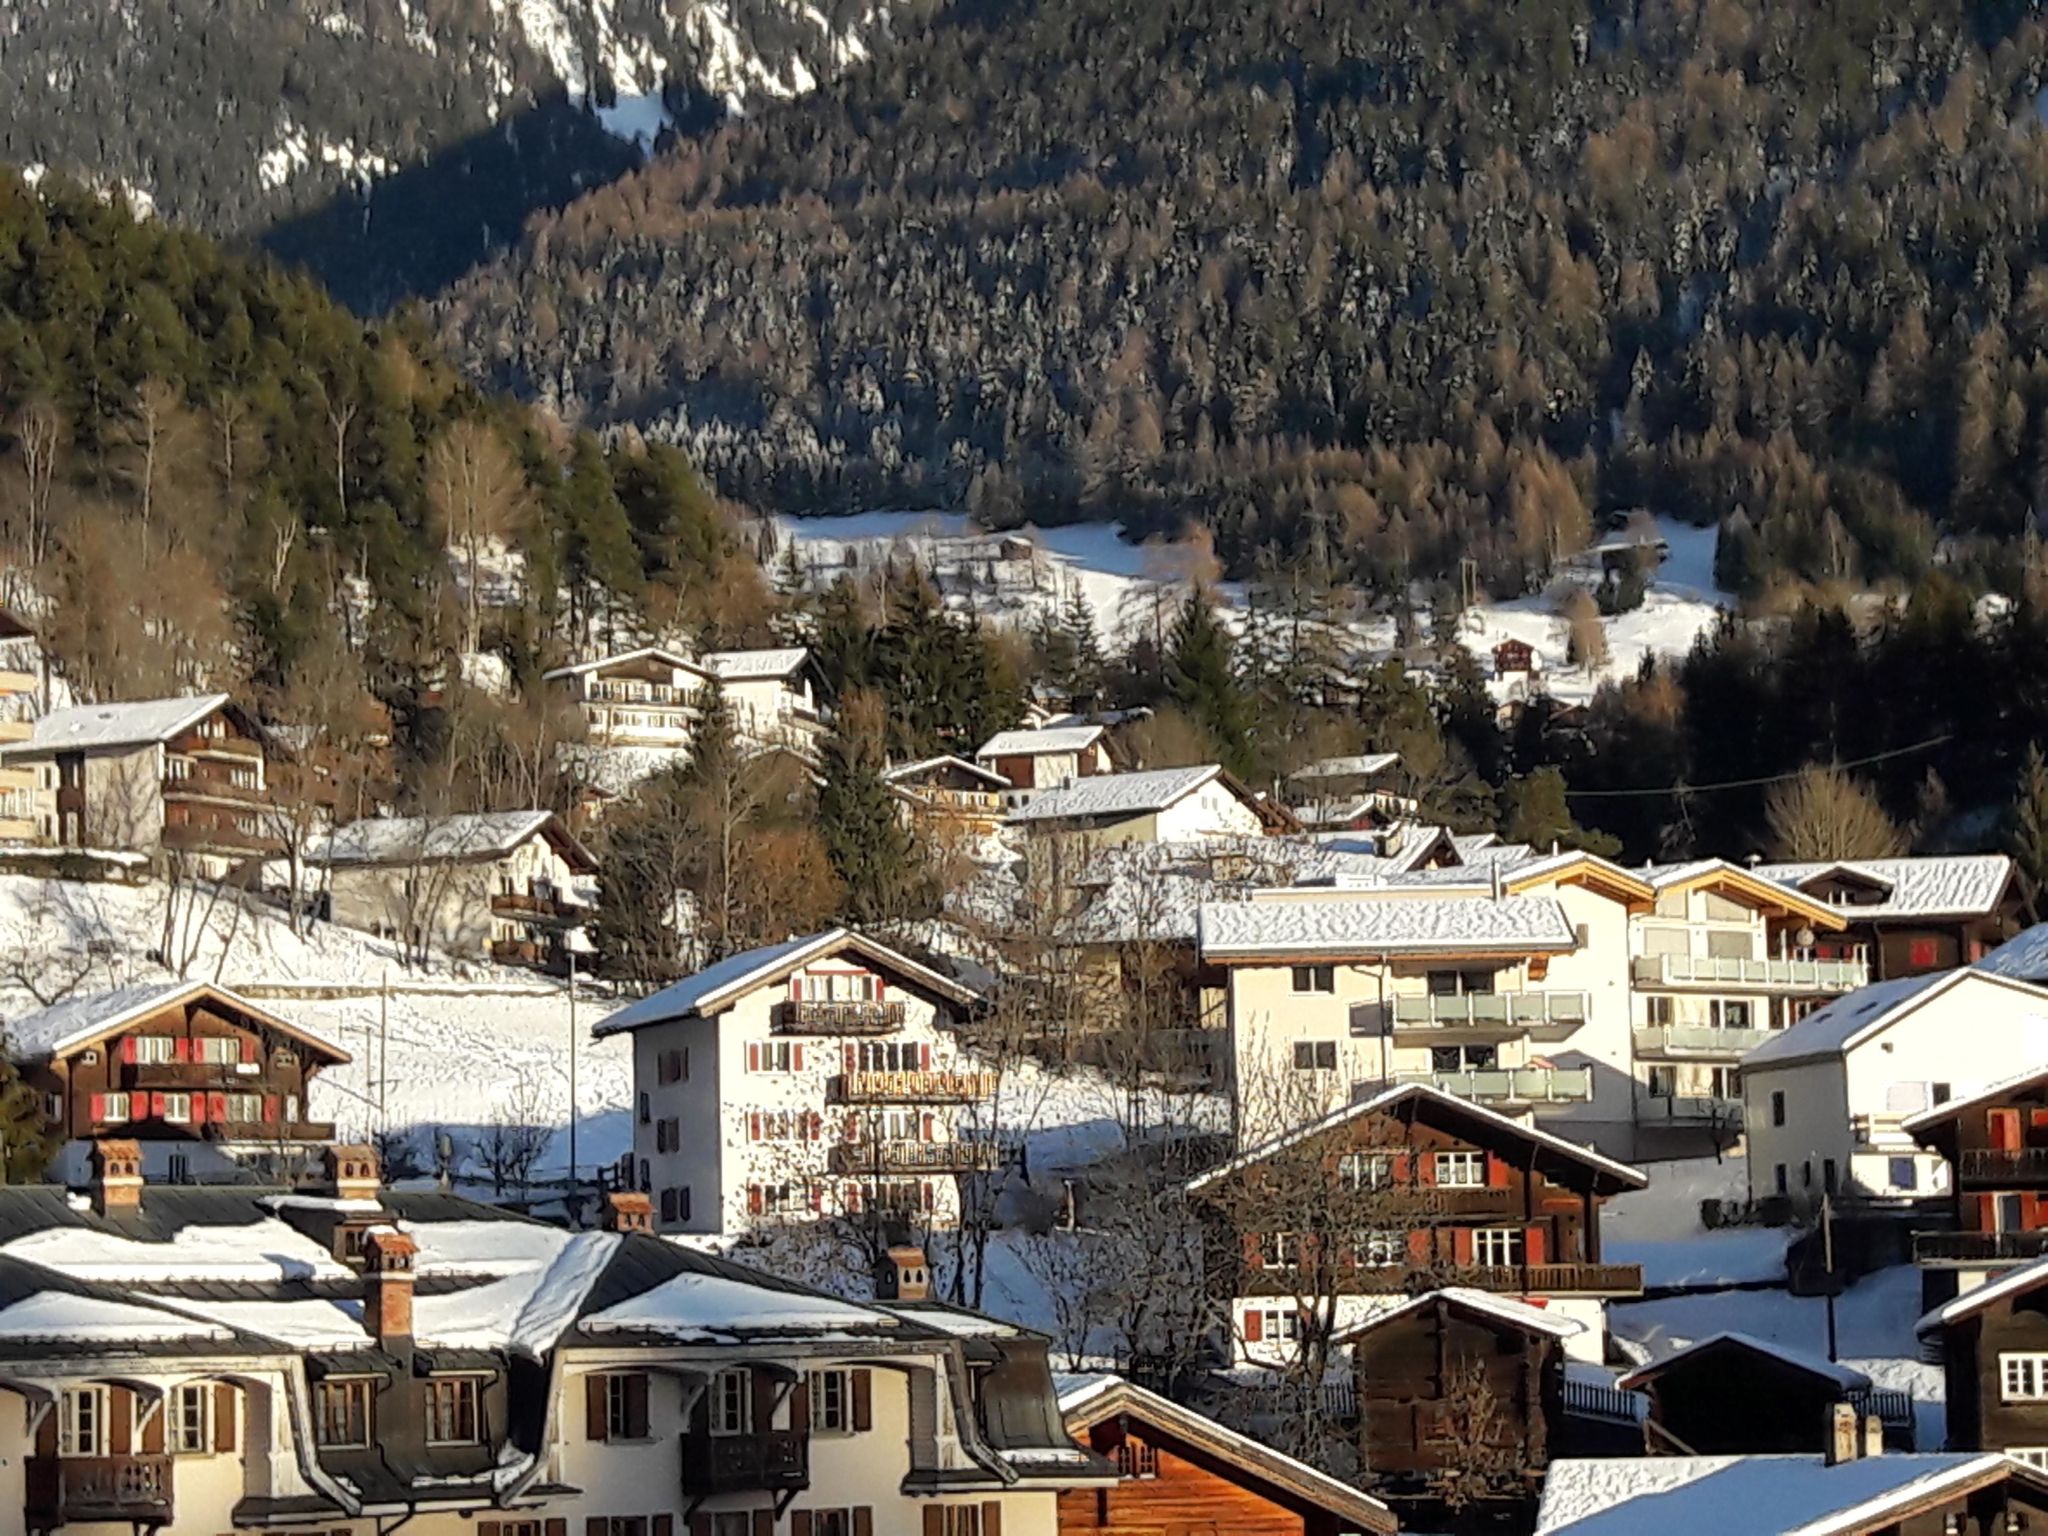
1803	938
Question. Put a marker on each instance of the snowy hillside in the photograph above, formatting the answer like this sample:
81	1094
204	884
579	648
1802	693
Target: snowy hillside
1128	586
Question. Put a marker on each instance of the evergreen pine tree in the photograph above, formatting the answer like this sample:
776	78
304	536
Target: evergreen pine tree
1077	621
872	850
1202	681
27	1142
1539	814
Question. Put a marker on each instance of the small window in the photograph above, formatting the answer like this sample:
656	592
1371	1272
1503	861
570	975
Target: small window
341	1413
1461	1170
189	1431
2035	1456
1903	1172
1663	1082
1658	1010
115	1108
82	1422
452	1410
832	1522
1315	978
1783	1184
1778	1108
1806	1174
2023	1378
1361	1171
1137	1460
645	1110
1279	1250
1498	1247
154	1050
625	1406
732	1403
175	1108
831	1402
1315	1055
1942	1092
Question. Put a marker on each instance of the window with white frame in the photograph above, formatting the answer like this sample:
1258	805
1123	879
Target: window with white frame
839	987
831	1402
888	1056
772	1056
189	1427
1360	1171
177	1108
1315	978
732	1403
1729	1012
342	1412
245	1108
1282	1323
1461	1170
154	1050
115	1107
1498	1247
1379	1250
82	1422
2023	1377
220	1050
1281	1250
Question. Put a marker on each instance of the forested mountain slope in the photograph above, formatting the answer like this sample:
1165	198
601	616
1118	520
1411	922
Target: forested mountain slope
389	143
1410	283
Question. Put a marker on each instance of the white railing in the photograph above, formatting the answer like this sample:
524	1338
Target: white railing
1519	1085
1697	1040
1789	974
1506	1009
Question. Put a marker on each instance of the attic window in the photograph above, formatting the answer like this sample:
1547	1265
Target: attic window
89	1058
285	1057
1136	1459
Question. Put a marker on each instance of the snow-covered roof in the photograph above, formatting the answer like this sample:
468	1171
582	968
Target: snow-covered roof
738	666
1388	1098
658	653
724	982
1086	1400
1991	1093
903	771
378	840
1507	1309
2014	1282
1571	862
59	1318
1065	738
2024	956
1378	922
1117	794
116	727
1850	1020
1359	766
1758	887
78	1021
1928	886
1841	1376
709	1309
1756	1495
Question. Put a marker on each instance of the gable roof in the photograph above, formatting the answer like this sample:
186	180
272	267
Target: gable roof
1504	1309
1573	865
1087	1400
903	772
77	1022
1938	1114
1849	1021
1620	1175
1924	886
2024	956
720	985
1377	922
2027	1277
1103	795
1360	766
397	840
1760	1495
1038	743
658	653
117	727
1841	1377
739	666
1757	889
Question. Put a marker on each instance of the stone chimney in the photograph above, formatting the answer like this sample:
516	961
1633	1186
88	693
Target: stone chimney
387	1287
116	1176
903	1275
628	1210
351	1173
1843	1431
1873	1435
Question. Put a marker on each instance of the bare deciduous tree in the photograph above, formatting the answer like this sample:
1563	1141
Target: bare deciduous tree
510	1146
1824	813
478	492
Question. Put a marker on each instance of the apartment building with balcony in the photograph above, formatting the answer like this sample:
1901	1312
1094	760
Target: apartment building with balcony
1036	759
648	699
1829	1103
817	1077
339	1357
27	792
1994	1147
1909	916
184	776
511	886
775	695
1409	1190
207	1083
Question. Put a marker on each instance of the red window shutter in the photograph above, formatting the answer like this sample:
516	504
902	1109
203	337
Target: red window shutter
249	1049
181	1049
1425	1169
1461	1245
754	1201
159	1104
816	1126
924	1058
1419	1246
849	1059
1922	954
1533	1245
753	1127
818	1198
1496	1172
796	1058
199	1109
128	1049
216	1106
270	1109
1987	1214
853	1199
925	1131
2004	1125
1254	1327
850	1130
99	1108
753	1057
1254	1258
863	1399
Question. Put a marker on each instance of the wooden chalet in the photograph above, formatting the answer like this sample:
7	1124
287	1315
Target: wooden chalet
1996	1146
1180	1471
1513	658
1910	916
197	1075
1992	1342
950	792
1733	1395
1456	1379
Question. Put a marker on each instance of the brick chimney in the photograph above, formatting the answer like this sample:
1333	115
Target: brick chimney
116	1176
387	1286
628	1210
903	1275
351	1173
1843	1432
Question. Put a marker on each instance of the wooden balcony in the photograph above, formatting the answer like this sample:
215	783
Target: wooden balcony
1696	1042
834	1018
888	1157
1722	973
82	1490
912	1087
201	837
1971	1250
1502	1279
1994	1168
229	1076
1488	1016
770	1461
546	909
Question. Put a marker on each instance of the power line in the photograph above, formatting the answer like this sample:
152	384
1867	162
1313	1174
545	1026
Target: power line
1769	778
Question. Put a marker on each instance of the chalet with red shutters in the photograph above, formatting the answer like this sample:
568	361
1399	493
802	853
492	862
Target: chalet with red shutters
1995	1145
1909	916
1317	1230
1515	658
819	1076
203	1080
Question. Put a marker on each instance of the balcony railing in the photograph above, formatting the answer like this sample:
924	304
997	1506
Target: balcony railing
772	1461
526	904
1882	1131
837	1018
83	1489
1540	1015
2017	1165
912	1087
1520	1085
200	837
1780	975
234	1076
1691	1109
1505	1279
916	1157
1966	1248
1702	1041
213	786
973	802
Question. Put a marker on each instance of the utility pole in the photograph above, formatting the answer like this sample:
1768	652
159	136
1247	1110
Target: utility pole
572	1078
383	1048
1827	1250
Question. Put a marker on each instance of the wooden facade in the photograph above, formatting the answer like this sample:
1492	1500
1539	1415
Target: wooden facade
1985	1412
1905	945
1438	1379
1996	1144
1727	1397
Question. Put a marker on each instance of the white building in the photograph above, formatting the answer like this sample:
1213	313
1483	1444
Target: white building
648	699
1045	758
1161	805
817	1077
1825	1100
